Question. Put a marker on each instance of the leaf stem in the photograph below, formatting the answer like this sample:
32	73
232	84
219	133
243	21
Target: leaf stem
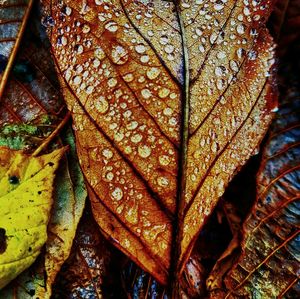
13	54
46	142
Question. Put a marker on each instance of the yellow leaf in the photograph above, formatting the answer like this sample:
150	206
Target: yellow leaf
26	185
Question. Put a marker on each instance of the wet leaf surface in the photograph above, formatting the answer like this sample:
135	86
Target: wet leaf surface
134	76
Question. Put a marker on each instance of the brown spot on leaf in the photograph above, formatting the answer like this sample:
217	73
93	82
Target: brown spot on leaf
3	240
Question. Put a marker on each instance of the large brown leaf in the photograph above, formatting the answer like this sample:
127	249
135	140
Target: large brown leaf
269	264
168	99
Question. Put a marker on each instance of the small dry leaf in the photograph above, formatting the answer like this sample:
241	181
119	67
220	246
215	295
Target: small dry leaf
168	99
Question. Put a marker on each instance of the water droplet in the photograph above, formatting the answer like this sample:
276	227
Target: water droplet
169	49
140	48
128	77
118	136
168	111
220	84
246	11
213	37
201	49
163	40
252	55
146	93
153	73
99	53
86	28
77	80
221	55
220	70
233	65
119	55
67	10
144	151
109	176
163	92
218	5
112	82
164	160
102	105
89	89
163	181
240	29
145	58
107	153
111	26
136	138
132	125
117	194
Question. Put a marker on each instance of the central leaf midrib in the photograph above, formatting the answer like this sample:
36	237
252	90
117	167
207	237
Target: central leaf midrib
182	162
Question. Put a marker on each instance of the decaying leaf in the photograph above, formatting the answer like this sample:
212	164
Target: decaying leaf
269	264
33	90
92	270
26	185
13	18
169	99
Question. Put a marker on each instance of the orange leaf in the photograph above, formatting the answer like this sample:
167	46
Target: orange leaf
168	99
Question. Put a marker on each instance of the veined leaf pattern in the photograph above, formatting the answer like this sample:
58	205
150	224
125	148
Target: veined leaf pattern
269	264
168	99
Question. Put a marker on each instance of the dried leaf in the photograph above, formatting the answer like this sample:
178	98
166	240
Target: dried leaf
32	89
229	256
168	99
269	264
13	18
88	273
26	185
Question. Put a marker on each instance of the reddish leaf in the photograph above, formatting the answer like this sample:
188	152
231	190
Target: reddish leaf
285	24
269	264
169	99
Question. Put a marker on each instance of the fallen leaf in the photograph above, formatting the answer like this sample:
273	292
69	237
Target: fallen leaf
269	264
169	99
229	256
33	90
13	18
26	186
90	271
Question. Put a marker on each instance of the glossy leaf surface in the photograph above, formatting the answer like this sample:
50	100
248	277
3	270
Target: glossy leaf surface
168	99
